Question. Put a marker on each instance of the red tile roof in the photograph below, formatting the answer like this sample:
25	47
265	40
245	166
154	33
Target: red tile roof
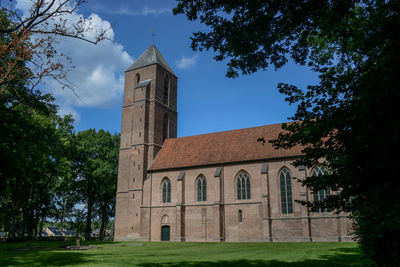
221	147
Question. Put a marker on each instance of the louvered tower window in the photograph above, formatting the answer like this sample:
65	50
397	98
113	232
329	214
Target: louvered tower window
166	90
165	126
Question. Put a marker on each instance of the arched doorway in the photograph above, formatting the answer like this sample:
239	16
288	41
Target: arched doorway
165	233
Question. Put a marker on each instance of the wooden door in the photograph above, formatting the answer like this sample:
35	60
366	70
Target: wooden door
165	233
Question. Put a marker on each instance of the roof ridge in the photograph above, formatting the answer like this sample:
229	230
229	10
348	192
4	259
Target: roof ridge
224	131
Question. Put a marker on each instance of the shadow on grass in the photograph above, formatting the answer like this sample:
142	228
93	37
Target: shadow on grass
50	254
45	258
342	257
57	257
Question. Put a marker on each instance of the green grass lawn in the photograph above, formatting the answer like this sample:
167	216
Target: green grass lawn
184	254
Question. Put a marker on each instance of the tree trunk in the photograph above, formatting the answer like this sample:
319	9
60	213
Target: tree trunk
104	220
21	233
88	230
101	233
29	222
36	222
42	216
11	234
63	214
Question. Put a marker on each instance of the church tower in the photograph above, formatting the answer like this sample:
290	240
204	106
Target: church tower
149	116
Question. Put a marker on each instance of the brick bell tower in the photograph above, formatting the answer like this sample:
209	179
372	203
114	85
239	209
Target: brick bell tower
149	116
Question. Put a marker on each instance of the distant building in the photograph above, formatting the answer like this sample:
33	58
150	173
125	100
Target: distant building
55	231
224	186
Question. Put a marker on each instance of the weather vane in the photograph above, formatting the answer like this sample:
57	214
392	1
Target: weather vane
152	34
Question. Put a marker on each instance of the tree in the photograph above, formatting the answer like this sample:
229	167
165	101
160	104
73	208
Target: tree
34	153
32	148
348	119
96	166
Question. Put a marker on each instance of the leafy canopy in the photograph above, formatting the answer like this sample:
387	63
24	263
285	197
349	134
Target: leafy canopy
347	121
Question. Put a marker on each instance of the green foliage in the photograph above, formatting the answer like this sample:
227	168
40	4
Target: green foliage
96	167
348	120
40	172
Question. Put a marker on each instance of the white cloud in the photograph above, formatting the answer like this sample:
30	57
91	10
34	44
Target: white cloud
187	62
145	11
98	73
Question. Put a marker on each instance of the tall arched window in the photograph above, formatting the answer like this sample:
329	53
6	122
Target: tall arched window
166	89
201	188
243	186
165	127
322	194
137	78
166	190
286	191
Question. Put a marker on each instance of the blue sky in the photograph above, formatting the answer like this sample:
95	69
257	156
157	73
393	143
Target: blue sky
207	100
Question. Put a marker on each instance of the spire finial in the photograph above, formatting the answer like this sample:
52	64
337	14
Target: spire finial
152	34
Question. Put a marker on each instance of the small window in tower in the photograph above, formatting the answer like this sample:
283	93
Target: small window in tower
166	90
137	78
140	134
240	216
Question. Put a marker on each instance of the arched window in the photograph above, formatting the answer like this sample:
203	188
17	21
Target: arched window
166	190
322	194
166	89
165	127
201	188
243	186
137	78
286	191
240	216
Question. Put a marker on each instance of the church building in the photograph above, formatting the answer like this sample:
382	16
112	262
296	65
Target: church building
224	186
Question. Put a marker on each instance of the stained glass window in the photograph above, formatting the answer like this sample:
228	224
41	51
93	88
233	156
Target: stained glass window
201	188
166	191
320	195
286	191
243	186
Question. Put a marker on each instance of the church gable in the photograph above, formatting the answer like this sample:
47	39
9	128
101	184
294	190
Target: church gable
222	147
